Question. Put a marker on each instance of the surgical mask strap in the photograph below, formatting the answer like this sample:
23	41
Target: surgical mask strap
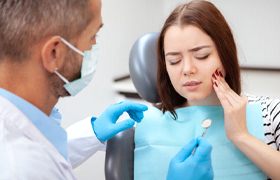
63	78
70	45
74	49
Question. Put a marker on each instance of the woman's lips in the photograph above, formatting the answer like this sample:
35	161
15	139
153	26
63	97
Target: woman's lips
192	85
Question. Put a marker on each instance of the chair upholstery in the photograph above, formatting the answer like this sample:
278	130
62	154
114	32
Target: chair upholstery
119	160
143	67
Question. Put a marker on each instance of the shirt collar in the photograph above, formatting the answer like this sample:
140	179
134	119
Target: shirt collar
48	126
55	116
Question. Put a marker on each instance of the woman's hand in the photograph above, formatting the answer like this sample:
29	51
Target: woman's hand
234	108
264	156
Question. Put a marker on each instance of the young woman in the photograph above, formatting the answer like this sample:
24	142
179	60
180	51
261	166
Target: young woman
198	69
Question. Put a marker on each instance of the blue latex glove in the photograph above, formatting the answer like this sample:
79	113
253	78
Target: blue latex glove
185	166
105	126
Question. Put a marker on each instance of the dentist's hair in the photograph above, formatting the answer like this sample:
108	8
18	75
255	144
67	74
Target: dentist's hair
209	19
24	23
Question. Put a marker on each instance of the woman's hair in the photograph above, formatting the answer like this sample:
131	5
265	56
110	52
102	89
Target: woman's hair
209	19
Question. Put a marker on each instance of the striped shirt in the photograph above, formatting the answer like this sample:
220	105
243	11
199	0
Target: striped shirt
271	119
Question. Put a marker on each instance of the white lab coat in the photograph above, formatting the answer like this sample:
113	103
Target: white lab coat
82	142
26	154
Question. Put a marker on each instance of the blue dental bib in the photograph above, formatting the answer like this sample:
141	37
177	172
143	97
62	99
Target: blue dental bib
158	138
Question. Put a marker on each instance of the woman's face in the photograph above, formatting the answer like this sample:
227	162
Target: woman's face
191	58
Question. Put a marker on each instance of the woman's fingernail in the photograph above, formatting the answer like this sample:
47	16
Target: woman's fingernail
221	74
213	75
216	84
217	73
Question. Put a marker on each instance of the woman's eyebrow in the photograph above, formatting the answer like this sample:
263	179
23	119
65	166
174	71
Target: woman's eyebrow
199	48
190	50
172	53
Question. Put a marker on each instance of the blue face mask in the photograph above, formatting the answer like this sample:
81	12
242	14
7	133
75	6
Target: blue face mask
89	66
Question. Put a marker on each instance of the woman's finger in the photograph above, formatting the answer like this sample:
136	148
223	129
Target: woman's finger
223	81
224	87
222	97
223	93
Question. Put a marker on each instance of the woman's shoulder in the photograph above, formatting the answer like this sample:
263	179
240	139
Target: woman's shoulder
264	100
255	99
154	109
153	117
270	106
152	112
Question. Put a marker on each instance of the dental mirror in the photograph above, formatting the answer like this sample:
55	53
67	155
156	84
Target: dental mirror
206	123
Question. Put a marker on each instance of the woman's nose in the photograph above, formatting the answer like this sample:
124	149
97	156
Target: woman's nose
188	67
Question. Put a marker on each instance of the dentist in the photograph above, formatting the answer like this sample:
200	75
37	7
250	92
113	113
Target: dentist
48	50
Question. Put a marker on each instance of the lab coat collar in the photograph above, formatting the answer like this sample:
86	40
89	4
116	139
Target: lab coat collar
48	126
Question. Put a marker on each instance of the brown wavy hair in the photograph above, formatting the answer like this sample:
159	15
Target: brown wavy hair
209	19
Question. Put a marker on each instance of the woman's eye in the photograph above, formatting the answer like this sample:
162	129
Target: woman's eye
174	62
202	57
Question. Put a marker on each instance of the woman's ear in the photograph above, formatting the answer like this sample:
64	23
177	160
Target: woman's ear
53	54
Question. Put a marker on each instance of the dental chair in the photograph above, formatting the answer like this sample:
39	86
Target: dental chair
119	160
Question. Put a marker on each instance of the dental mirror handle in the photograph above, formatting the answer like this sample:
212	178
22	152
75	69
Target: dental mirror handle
203	134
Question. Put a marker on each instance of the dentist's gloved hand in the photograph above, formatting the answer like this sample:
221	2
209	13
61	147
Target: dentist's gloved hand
185	166
105	126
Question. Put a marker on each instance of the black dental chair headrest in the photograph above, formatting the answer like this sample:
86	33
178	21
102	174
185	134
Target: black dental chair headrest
143	67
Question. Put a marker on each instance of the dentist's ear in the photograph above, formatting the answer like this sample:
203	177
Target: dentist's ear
53	54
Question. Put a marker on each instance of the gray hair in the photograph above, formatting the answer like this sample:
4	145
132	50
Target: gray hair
24	23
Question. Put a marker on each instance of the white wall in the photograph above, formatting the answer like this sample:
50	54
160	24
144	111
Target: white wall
256	28
125	21
264	83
